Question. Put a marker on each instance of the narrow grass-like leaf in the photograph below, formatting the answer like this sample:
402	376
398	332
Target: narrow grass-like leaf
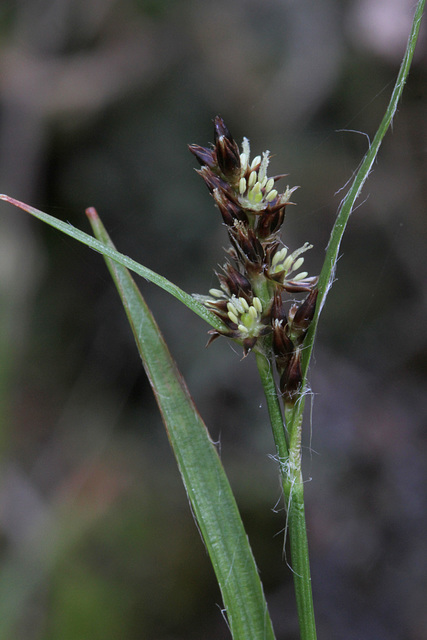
328	270
296	518
204	478
120	258
346	207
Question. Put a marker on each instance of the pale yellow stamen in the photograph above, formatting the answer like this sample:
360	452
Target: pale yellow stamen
297	264
216	293
231	308
300	276
244	304
257	304
279	256
287	263
252	179
269	185
271	196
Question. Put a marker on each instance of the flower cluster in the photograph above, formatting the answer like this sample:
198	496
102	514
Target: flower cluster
260	270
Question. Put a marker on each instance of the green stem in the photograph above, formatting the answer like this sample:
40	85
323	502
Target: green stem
265	370
288	447
294	496
297	532
291	472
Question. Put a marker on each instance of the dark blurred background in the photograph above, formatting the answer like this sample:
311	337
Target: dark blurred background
98	100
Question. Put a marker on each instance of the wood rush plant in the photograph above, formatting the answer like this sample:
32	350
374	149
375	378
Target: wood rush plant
254	305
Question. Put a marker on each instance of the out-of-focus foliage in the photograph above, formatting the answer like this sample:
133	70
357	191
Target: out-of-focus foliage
98	101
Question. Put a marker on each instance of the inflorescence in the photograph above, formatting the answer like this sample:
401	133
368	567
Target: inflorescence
260	270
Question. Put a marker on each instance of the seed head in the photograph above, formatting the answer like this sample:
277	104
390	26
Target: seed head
260	271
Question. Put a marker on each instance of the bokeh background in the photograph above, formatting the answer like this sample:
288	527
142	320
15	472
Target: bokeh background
98	100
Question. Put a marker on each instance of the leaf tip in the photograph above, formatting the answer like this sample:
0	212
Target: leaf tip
16	203
3	196
91	213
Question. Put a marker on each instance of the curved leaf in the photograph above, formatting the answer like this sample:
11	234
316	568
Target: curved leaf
203	475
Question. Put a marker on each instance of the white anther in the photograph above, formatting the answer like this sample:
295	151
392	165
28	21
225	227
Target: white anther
244	304
253	313
288	263
271	196
231	308
257	304
252	179
255	162
242	186
216	293
279	256
297	264
233	317
300	276
269	185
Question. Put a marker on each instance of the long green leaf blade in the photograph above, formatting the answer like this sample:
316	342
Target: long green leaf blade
120	258
344	212
204	478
